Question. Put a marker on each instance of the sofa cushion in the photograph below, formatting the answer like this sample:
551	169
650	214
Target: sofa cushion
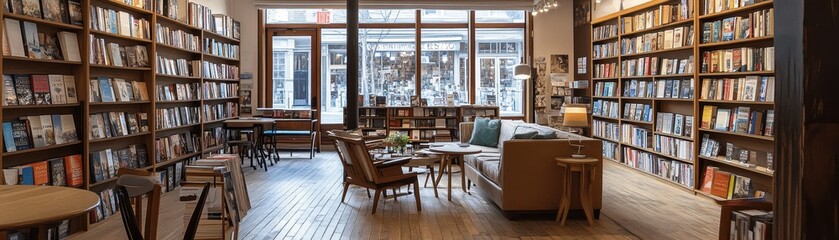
526	135
478	161
492	170
485	132
508	129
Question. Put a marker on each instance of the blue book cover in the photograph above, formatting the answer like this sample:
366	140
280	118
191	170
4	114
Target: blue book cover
27	175
56	128
106	90
8	137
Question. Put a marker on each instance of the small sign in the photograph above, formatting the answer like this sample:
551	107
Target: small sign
324	17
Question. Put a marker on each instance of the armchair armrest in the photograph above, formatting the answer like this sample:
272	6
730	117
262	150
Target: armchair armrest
392	162
465	131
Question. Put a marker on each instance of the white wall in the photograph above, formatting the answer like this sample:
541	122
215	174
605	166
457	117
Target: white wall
218	6
553	33
606	7
245	12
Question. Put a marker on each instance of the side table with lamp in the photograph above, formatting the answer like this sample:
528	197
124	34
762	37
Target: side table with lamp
576	116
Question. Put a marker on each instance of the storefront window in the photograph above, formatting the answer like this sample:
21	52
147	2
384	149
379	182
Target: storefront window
387	16
498	52
445	66
273	16
495	16
291	71
333	75
445	16
388	64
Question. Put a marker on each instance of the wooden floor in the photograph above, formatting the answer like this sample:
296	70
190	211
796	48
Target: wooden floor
300	199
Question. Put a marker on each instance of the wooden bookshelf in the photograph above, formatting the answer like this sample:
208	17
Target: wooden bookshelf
414	120
686	106
83	71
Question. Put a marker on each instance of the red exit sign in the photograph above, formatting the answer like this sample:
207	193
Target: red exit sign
324	17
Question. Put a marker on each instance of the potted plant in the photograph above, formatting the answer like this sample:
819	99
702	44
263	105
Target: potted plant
397	141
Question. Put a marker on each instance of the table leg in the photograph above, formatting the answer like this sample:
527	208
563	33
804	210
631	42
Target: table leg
561	211
585	194
463	173
449	169
566	195
442	170
433	182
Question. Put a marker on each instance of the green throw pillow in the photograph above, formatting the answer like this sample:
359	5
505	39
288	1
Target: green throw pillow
527	135
485	132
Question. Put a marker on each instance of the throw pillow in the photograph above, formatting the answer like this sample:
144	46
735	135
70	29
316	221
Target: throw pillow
485	132
547	135
527	135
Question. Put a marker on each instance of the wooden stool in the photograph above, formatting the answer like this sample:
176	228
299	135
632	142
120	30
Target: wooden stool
586	167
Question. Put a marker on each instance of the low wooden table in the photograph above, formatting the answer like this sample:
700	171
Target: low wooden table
449	151
428	161
586	168
27	206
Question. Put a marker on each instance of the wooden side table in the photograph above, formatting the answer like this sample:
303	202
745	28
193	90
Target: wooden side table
586	167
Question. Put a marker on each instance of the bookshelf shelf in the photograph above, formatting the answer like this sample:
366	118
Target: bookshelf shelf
59	25
103	182
32	150
734	42
658	52
736	102
219	120
605	117
636	121
118	103
659	27
217	57
606	58
607	139
637	98
422	128
674	75
29	107
118	36
720	159
615	38
101	66
660	178
166	163
178	127
212	149
219	36
126	7
606	79
441	117
708	195
673	136
736	10
92	141
179	101
220	99
674	99
176	76
178	49
35	60
736	74
604	97
753	136
221	79
180	24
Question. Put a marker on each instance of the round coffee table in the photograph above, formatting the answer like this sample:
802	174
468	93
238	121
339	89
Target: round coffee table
450	151
27	206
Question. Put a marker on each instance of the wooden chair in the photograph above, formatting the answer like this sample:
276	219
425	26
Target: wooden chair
379	176
727	208
141	184
132	228
248	145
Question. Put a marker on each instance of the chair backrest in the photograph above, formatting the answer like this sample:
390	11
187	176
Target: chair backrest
192	227
357	165
139	183
128	219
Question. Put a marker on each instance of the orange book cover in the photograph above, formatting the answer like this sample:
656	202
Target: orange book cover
708	181
721	182
73	165
42	172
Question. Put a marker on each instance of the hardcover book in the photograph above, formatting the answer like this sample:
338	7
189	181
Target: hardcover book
58	172
708	180
41	173
41	89
70	89
33	43
49	46
32	8
721	184
14	37
68	132
58	92
8	137
23	89
9	95
37	131
49	131
74	166
94	91
21	135
106	90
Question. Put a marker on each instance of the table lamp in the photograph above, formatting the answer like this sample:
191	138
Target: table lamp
576	115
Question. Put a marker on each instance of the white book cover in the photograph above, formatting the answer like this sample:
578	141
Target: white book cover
124	23
114	54
70	86
69	42
49	132
68	128
14	34
37	131
58	92
678	33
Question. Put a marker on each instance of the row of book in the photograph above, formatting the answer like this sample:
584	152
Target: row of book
751	225
141	4
605	89
738	120
424	112
605	108
636	136
291	114
220	71
610	150
372	112
61	231
23	89
743	59
578	84
605	50
750	88
738	155
757	24
118	22
22	39
172	175
178	38
177	116
662	40
649	66
39	131
423	123
202	17
213	90
715	6
638	112
175	145
221	49
171	8
604	32
178	67
69	12
63	171
178	92
605	70
105	164
678	172
107	206
104	89
372	123
665	14
221	111
728	185
112	54
212	137
673	147
115	124
603	129
674	124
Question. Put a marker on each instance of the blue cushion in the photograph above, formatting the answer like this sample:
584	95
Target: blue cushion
548	135
526	135
485	132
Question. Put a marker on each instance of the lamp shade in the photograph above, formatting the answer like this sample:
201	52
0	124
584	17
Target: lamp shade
575	116
522	72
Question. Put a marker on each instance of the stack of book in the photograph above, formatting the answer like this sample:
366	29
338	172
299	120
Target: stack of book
738	120
227	201
104	89
751	225
727	185
22	39
118	22
63	171
39	131
39	89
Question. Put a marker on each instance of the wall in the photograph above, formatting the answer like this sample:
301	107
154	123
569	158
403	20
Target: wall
606	7
246	13
553	32
218	6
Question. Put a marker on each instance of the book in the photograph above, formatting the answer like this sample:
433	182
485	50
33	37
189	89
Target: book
723	117
37	131
56	122
10	177
68	132
21	135
9	95
41	89
27	175
69	45
74	166
8	137
770	122
74	10
58	93
14	36
49	131
95	96
708	180
721	184
57	172
49	46
70	89
23	90
41	175
32	42
106	90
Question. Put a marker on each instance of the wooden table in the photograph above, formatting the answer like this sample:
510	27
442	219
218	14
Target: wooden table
428	161
586	168
27	206
256	123
449	151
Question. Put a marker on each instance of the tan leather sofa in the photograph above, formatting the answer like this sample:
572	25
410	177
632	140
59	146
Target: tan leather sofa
521	175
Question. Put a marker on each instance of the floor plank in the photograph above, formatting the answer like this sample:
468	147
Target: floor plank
299	198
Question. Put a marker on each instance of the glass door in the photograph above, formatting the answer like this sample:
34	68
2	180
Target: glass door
292	64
